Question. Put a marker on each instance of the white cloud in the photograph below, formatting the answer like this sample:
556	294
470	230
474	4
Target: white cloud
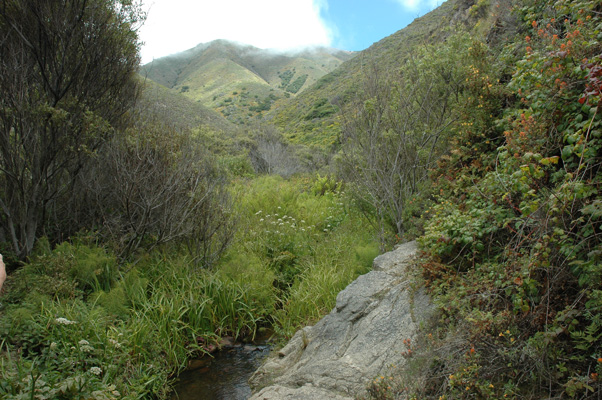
177	25
423	5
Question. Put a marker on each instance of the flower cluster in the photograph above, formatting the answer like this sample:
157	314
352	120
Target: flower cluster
84	346
64	321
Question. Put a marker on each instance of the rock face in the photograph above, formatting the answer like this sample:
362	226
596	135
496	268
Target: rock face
361	338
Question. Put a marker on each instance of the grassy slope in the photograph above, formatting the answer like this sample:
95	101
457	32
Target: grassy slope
340	86
180	110
210	74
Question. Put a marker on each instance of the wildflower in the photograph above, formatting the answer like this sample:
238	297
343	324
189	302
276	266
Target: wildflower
86	348
534	24
325	230
261	220
600	359
258	212
95	371
64	321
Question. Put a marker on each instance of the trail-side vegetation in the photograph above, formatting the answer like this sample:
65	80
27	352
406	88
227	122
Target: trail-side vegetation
78	322
512	244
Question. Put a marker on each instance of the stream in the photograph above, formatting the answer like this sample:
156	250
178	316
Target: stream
223	377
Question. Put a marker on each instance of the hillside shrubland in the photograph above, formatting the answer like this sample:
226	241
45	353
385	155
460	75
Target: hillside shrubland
512	244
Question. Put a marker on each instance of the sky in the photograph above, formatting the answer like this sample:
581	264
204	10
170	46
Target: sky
173	26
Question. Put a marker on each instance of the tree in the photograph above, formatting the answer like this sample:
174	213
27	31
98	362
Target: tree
397	129
67	78
271	154
156	184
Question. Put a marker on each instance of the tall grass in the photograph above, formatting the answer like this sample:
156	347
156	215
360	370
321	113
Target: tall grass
312	243
76	324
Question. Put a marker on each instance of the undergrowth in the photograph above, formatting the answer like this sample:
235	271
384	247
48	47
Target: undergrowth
77	323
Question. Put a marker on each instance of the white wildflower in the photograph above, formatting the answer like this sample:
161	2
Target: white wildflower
261	220
258	212
95	371
325	230
86	348
279	207
64	321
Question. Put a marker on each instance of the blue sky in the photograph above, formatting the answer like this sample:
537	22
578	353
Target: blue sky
173	26
359	23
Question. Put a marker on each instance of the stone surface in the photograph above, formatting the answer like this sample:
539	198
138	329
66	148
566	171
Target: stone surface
360	339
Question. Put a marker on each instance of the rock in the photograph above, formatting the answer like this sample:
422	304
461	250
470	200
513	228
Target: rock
199	363
306	392
227	342
361	338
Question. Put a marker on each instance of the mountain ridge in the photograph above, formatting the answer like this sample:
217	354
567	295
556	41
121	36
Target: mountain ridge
242	81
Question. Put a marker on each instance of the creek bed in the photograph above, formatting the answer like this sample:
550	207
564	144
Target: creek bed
223	377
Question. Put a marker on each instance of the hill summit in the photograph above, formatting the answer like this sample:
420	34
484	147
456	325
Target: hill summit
242	81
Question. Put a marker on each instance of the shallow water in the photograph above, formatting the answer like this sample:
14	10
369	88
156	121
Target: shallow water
223	377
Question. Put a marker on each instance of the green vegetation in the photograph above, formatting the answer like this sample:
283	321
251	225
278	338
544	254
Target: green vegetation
512	244
137	235
76	322
286	77
297	84
321	108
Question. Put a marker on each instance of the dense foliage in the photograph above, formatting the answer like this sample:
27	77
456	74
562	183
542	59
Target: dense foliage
66	81
513	244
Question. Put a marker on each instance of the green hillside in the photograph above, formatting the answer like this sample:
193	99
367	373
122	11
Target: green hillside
241	81
179	110
311	117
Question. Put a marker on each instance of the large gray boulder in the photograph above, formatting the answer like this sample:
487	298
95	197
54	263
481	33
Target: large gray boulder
361	338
